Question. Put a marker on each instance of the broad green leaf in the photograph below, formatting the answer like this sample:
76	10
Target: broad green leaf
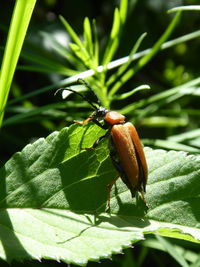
53	196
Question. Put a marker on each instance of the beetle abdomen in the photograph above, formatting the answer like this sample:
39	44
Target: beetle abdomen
131	155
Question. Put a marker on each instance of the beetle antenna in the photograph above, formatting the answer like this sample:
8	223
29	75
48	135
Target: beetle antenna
90	88
75	92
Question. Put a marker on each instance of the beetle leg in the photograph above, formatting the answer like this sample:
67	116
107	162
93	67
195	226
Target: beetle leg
109	190
99	124
143	198
84	122
94	120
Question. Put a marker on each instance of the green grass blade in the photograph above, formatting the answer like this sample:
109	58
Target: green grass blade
18	27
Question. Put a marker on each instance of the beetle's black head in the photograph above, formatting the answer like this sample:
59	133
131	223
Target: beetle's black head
100	112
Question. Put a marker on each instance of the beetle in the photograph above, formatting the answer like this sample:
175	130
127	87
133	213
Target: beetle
126	150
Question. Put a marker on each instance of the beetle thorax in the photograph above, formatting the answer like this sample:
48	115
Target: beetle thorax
113	117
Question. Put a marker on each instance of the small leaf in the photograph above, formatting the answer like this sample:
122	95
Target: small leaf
85	58
123	10
88	36
96	43
77	47
113	40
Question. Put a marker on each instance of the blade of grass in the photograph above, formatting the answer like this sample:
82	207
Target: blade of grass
17	31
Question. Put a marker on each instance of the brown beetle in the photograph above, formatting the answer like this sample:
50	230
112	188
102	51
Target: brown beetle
126	149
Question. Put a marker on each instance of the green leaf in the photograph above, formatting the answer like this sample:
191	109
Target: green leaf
88	36
78	46
96	44
85	58
123	10
53	196
113	40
